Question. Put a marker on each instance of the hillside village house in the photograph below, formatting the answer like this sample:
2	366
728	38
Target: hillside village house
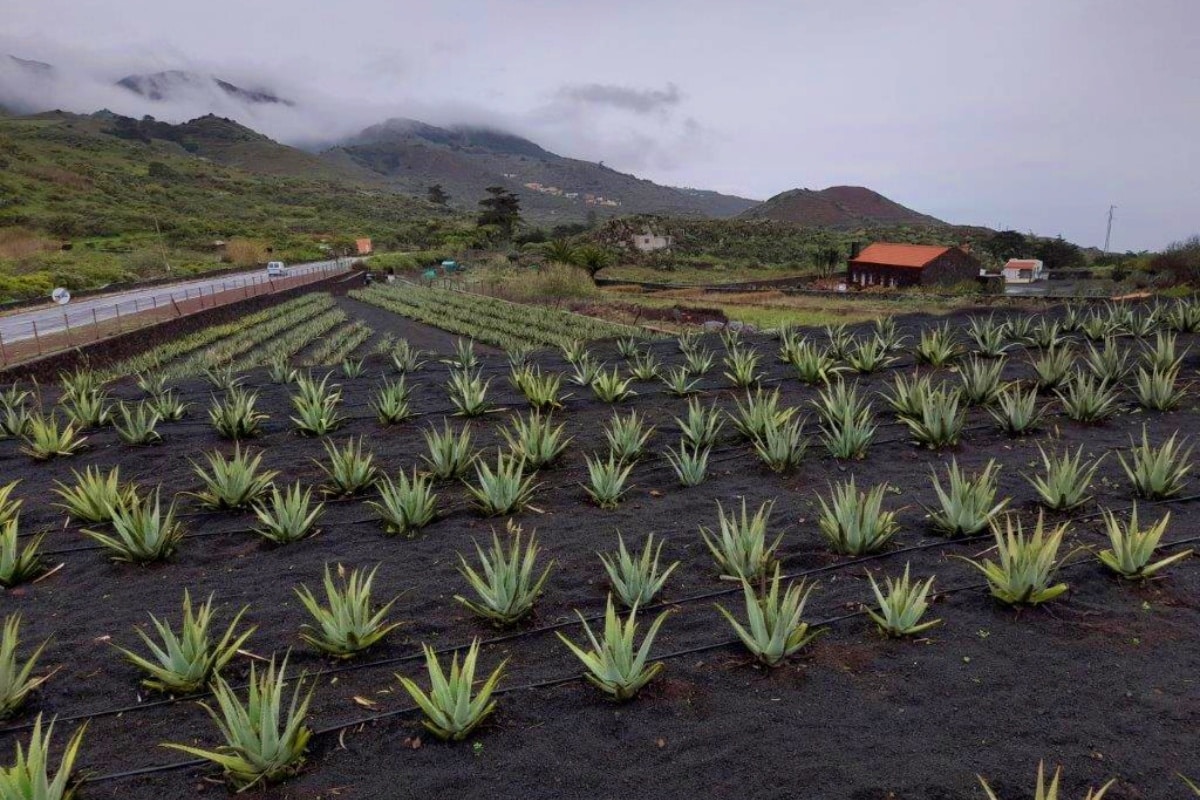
648	242
1024	270
898	265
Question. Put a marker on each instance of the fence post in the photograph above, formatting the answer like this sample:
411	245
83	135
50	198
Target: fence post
95	325
67	325
36	339
177	311
3	351
117	308
136	308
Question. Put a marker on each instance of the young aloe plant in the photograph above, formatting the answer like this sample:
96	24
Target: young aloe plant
909	396
740	547
504	489
450	453
347	624
781	446
235	416
507	584
741	367
264	741
1066	480
1017	411
453	709
405	505
185	662
542	392
29	778
287	517
627	435
46	439
636	581
1053	367
1157	472
937	346
1158	389
980	380
17	680
18	564
701	427
536	440
679	382
142	533
853	522
989	336
9	508
391	403
690	465
316	406
468	392
968	502
1025	565
760	410
941	420
350	469
901	609
614	665
235	482
1087	398
1131	546
775	627
610	387
136	424
1044	792
607	479
94	495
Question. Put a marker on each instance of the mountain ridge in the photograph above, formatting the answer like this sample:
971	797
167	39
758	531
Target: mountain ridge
838	207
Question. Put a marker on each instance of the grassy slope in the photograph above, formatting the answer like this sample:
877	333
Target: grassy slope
64	179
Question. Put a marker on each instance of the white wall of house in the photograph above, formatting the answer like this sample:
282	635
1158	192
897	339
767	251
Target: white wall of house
649	242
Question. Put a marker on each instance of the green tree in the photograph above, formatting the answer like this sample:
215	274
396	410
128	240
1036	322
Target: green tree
1059	254
593	259
437	195
1007	244
501	209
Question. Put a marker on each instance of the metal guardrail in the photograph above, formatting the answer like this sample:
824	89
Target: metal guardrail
104	321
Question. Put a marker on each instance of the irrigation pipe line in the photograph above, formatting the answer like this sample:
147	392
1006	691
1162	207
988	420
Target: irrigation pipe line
666	604
549	683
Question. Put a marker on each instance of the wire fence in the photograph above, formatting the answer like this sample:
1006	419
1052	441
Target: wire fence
32	334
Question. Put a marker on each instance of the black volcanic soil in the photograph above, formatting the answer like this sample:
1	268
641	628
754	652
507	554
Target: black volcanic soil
1103	681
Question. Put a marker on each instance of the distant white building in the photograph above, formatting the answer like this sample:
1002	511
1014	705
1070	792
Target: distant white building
648	242
1023	270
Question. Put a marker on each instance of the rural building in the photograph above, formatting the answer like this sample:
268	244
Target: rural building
648	242
1024	270
896	265
362	247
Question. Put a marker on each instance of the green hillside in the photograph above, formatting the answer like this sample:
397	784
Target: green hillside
89	200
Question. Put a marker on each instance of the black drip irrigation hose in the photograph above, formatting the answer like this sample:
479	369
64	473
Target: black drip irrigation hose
666	604
552	682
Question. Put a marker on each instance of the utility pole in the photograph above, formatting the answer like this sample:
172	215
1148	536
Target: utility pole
1108	232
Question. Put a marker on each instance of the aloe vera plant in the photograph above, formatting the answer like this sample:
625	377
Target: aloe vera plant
350	469
774	629
1025	566
899	611
607	479
854	522
535	439
739	546
636	581
94	495
1157	472
234	482
1051	791
348	623
141	532
1066	479
265	741
450	454
504	489
17	680
453	708
29	777
187	661
507	583
19	562
614	664
967	504
690	463
406	504
1132	547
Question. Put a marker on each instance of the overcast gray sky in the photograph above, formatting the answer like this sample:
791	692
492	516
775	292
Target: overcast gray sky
1031	114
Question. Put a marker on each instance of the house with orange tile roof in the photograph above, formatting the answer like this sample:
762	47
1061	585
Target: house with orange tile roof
898	265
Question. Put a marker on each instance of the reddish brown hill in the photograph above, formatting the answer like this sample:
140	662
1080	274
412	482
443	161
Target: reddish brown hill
838	207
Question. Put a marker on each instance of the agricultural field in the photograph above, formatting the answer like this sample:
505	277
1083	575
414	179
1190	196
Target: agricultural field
493	321
981	527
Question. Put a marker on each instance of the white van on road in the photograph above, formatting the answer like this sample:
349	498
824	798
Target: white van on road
276	269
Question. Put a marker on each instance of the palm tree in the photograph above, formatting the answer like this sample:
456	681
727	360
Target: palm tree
593	259
560	251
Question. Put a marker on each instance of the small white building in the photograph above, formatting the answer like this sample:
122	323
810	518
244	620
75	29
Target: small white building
648	242
1023	270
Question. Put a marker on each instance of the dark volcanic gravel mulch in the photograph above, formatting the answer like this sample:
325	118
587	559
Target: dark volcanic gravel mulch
1103	681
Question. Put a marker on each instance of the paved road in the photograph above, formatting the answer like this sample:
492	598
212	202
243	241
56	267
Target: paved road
51	319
